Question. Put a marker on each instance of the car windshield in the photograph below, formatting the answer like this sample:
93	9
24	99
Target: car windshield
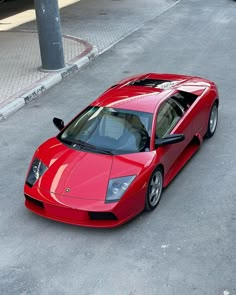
109	131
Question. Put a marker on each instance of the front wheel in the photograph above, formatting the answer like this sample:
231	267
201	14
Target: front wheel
154	190
213	120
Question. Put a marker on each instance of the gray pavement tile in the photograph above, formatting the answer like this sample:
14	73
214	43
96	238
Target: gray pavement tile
105	22
21	59
20	77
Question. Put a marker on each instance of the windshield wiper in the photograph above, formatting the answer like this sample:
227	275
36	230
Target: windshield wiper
85	145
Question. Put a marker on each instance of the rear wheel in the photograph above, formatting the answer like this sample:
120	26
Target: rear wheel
154	190
213	120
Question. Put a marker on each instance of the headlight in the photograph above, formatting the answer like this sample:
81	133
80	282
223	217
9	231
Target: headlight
117	187
36	171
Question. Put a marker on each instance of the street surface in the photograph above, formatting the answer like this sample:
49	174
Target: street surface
187	246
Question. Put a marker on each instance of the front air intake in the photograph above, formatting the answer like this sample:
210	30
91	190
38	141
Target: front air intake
102	216
34	201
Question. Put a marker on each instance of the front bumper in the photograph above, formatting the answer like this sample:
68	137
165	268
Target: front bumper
89	213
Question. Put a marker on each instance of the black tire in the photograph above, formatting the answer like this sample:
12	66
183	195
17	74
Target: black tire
154	190
213	120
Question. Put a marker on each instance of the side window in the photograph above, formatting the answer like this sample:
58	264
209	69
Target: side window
185	99
168	116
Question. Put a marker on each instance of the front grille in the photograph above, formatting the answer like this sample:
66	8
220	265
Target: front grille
36	202
102	216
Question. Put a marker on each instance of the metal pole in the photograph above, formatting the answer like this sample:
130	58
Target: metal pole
49	32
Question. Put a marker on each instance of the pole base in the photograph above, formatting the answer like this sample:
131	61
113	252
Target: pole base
41	69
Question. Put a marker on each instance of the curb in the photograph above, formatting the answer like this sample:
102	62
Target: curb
52	79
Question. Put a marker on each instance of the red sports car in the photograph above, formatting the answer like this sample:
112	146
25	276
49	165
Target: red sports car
114	158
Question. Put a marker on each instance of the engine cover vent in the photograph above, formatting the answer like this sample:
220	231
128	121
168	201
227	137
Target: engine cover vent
161	84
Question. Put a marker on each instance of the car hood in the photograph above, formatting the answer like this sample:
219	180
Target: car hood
85	175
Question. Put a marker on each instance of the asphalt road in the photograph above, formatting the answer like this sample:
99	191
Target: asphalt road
187	245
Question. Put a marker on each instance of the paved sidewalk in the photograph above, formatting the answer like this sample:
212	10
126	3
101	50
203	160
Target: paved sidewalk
103	23
20	78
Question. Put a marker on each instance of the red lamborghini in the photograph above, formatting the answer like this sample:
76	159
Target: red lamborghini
114	158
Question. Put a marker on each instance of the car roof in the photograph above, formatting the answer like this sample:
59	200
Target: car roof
144	92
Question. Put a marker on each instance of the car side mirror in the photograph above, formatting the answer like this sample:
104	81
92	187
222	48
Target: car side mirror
59	123
169	139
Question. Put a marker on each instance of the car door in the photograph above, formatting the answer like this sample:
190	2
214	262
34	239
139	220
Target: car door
171	119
